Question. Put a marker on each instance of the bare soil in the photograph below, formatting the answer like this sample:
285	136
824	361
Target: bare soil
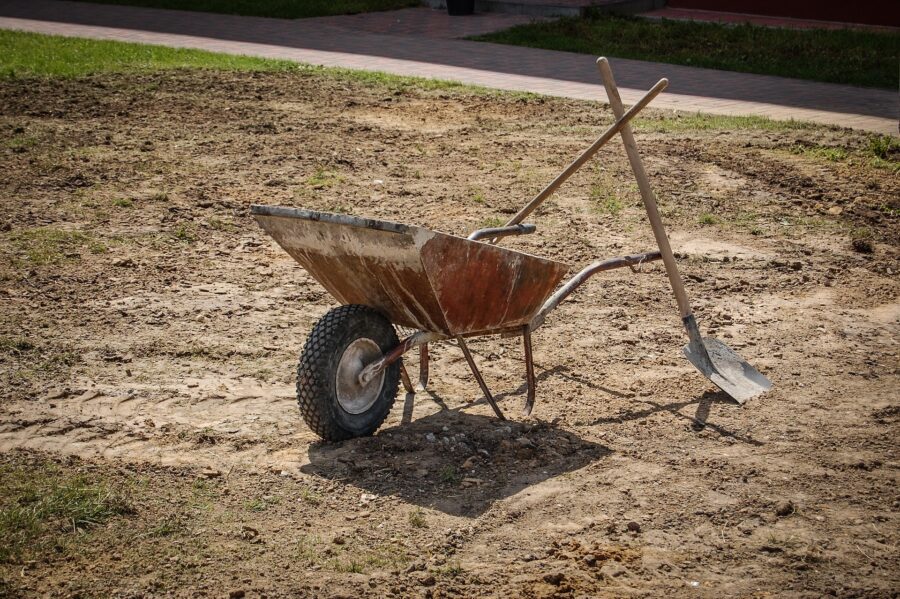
150	332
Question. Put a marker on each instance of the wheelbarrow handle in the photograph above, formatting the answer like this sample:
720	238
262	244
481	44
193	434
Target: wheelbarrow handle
496	232
621	122
659	232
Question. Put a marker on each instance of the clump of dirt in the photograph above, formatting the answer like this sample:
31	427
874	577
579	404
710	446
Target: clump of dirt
150	331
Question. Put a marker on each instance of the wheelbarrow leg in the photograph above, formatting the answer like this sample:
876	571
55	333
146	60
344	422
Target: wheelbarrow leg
481	383
423	367
529	370
404	377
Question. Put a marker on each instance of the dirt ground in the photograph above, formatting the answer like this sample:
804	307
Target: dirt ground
150	332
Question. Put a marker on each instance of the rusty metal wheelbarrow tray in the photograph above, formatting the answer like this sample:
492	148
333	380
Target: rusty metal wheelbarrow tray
418	278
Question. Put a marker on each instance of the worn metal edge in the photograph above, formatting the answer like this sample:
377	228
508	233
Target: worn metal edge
329	217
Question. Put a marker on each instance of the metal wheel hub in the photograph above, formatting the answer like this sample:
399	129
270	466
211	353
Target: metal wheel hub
353	396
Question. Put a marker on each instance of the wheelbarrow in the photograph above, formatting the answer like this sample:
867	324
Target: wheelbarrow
444	287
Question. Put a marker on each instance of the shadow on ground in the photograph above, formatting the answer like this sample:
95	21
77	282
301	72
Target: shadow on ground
454	462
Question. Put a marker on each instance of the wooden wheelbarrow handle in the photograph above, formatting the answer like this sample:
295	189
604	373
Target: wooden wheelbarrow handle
621	122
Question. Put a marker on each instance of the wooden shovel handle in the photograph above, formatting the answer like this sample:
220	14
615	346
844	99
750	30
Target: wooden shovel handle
621	121
643	182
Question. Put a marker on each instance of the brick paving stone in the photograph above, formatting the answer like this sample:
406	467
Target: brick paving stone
416	42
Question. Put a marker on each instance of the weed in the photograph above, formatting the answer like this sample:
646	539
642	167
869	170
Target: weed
167	527
707	219
17	345
307	550
452	570
123	203
323	178
220	225
491	222
41	504
45	245
184	233
256	505
478	196
449	475
829	153
309	496
417	518
159	196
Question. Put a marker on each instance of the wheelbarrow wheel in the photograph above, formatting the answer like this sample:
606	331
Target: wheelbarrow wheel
333	402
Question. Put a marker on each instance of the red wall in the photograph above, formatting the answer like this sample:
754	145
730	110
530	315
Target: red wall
871	12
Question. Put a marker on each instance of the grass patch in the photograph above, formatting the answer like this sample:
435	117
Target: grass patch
24	363
449	475
35	55
417	518
41	505
281	9
713	122
707	219
880	151
324	178
41	246
491	222
184	233
829	153
24	54
123	203
853	57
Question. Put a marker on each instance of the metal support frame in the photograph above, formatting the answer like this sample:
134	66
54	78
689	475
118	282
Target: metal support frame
479	378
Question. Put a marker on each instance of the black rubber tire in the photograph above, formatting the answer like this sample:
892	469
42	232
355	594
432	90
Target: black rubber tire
322	352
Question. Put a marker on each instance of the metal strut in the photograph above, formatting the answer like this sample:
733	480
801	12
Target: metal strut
478	377
529	371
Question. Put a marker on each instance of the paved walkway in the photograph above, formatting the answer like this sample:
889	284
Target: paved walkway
417	42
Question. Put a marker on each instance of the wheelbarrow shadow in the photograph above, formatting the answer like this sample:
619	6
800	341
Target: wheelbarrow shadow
452	461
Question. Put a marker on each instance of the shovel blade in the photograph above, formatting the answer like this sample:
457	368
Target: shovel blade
724	367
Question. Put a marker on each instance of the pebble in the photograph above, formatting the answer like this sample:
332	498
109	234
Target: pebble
784	508
554	578
633	526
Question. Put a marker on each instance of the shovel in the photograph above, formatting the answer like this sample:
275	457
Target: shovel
718	362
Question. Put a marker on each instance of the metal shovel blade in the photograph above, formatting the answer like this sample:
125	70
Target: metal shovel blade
724	367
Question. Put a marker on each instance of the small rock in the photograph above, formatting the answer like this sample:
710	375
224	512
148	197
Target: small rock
784	508
430	437
427	580
469	463
339	540
633	526
590	559
863	246
554	578
236	594
210	473
124	263
612	570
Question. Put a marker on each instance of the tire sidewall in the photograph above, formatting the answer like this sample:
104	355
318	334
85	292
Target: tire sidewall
370	325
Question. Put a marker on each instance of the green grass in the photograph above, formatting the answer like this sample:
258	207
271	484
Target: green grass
42	505
880	151
41	246
713	122
34	55
707	219
283	9
854	57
